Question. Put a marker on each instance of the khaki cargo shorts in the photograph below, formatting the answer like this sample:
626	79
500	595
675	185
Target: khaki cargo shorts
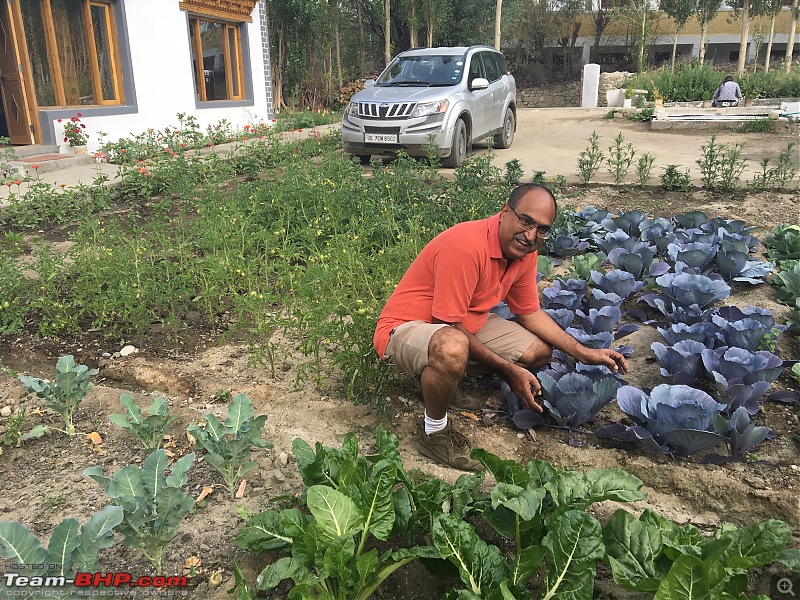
408	343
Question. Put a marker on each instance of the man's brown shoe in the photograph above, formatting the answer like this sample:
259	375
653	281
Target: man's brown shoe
447	447
469	396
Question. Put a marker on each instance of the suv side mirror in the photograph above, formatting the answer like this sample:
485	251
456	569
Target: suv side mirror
369	83
479	83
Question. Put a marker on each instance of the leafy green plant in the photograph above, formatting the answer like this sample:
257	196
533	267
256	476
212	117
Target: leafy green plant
656	556
590	159
351	501
783	242
71	385
620	158
709	163
643	115
153	506
644	167
542	511
15	434
148	430
581	266
675	180
72	548
228	445
763	180
756	126
786	169
721	166
787	282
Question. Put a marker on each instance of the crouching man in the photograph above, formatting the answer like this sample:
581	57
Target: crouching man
437	327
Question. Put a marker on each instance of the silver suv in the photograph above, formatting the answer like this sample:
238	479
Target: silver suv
445	97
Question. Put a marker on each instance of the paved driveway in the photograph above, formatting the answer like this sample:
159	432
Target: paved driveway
550	140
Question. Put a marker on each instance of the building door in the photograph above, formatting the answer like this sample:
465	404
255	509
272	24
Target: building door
18	116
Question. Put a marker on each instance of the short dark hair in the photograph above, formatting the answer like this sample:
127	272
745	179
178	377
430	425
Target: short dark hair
525	188
728	78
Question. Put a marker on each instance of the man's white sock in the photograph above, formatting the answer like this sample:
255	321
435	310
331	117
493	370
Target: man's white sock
434	425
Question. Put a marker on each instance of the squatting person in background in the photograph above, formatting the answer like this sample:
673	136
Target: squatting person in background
728	91
437	327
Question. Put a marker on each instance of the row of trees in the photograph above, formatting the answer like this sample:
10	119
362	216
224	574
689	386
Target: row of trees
317	45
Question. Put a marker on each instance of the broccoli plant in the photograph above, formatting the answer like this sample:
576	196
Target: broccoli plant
149	430
71	385
72	547
153	505
228	446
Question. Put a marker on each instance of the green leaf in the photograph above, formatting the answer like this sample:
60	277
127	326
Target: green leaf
526	565
336	514
159	407
572	546
120	420
688	579
634	551
284	568
525	502
504	471
126	486
63	542
377	500
338	563
181	467
402	510
153	469
263	532
480	566
757	545
791	558
239	411
36	432
367	566
19	545
134	412
387	445
97	534
541	472
573	490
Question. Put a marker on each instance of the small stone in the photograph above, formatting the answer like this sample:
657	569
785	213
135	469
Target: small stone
102	362
116	355
6	411
106	354
520	435
128	350
793	467
283	459
279	477
403	399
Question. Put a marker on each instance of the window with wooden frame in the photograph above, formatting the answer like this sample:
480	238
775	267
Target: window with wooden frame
216	59
72	51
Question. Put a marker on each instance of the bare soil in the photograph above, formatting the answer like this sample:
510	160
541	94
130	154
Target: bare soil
42	482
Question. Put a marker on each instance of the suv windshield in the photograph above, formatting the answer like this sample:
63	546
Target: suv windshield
423	71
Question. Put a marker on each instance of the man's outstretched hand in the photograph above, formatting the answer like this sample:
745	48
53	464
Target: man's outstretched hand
606	357
524	385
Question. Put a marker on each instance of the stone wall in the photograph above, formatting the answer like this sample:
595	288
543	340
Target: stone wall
551	95
569	94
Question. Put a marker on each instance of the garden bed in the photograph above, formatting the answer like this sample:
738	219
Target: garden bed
198	368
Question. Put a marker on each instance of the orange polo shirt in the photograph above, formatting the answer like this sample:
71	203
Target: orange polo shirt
458	278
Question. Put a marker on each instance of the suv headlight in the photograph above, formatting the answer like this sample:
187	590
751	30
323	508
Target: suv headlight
352	109
430	108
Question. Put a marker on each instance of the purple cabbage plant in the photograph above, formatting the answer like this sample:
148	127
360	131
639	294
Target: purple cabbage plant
693	219
741	434
613	240
574	398
567	245
579	286
630	222
672	418
685	296
599	299
737	328
693	254
562	316
619	282
681	363
555	298
601	339
702	332
638	261
660	232
731	262
742	377
599	320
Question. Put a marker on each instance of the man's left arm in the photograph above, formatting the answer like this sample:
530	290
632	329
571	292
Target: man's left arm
542	326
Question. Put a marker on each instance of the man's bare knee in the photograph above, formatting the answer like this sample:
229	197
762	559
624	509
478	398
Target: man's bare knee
448	351
537	355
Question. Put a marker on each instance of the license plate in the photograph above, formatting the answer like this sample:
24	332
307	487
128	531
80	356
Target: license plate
380	138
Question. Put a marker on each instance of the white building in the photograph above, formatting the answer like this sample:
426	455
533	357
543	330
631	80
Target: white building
130	65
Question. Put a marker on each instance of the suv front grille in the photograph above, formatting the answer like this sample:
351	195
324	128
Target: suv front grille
384	110
383	130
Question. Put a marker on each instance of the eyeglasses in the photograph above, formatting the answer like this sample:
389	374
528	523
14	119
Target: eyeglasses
526	224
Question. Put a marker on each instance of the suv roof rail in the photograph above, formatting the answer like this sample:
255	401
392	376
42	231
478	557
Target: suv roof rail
482	46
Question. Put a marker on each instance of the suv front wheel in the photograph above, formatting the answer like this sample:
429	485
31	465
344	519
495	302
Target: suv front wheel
503	139
458	151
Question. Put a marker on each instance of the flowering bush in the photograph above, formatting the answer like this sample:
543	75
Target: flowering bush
74	133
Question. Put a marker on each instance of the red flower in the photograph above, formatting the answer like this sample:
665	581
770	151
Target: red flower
59	120
74	119
65	139
17	181
34	166
80	115
82	125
